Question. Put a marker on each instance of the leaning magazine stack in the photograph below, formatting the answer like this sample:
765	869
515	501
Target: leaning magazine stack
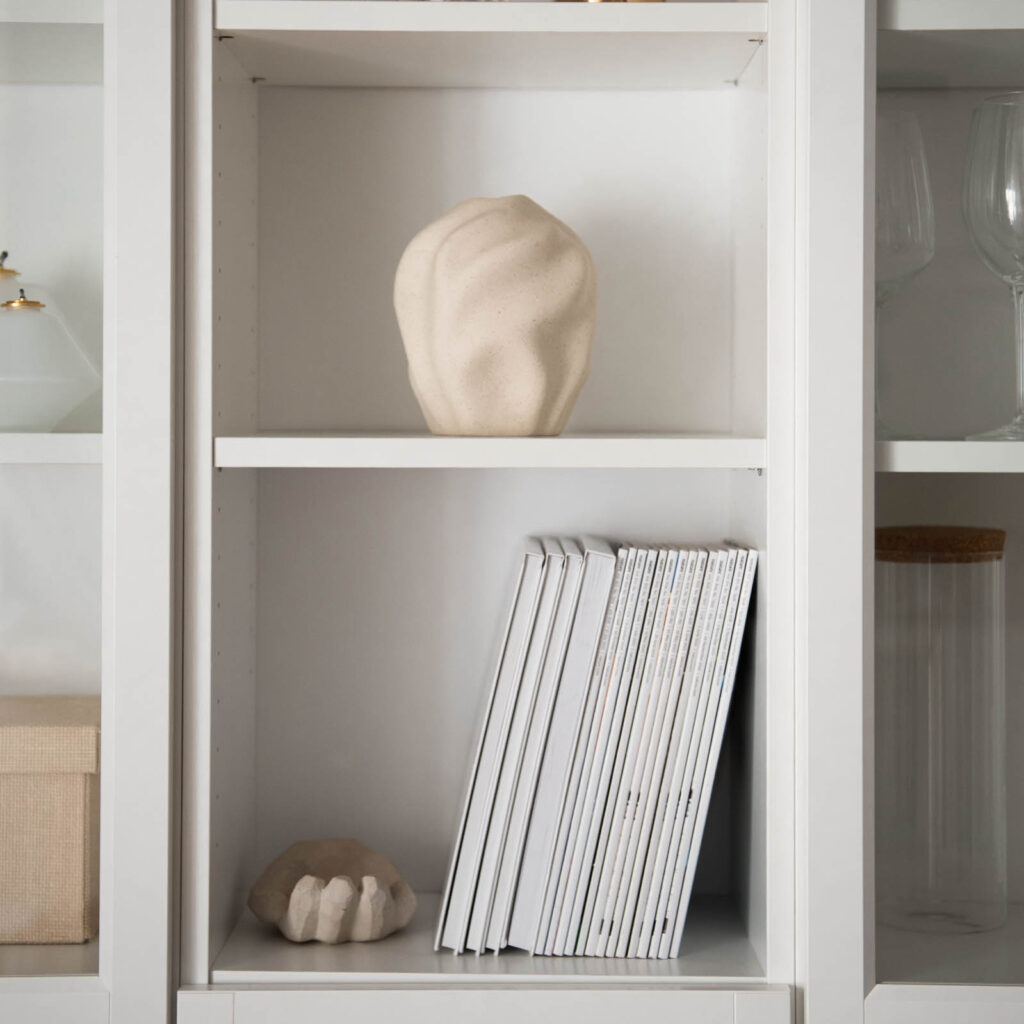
591	782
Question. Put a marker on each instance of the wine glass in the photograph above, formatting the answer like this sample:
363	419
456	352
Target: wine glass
904	216
993	205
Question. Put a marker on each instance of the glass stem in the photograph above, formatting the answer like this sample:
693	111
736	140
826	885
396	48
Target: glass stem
879	426
1018	323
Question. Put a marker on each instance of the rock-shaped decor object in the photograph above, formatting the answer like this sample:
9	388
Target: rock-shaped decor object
332	890
496	302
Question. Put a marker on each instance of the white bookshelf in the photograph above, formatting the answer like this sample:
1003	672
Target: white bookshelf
309	468
945	347
325	451
511	45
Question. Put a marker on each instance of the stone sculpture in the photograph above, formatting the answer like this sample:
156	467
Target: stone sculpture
496	302
332	890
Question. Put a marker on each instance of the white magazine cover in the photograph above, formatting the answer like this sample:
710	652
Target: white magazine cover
454	917
512	757
646	840
600	572
678	570
522	801
606	750
727	684
681	793
594	924
575	781
582	810
651	765
697	758
693	673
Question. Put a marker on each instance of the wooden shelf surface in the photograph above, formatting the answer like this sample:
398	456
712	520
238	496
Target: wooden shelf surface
326	451
949	457
715	948
51	449
951	43
497	45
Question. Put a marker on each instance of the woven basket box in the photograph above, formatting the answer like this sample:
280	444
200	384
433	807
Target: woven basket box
49	818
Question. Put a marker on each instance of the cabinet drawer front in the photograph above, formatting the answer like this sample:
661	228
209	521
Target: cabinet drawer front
488	1006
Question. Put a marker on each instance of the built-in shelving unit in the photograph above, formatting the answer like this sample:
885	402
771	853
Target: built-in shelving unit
51	41
325	451
658	132
51	449
511	45
945	350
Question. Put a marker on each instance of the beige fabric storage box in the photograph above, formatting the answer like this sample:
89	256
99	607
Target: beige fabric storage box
49	818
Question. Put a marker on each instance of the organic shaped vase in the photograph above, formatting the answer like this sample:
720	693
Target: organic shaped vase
332	890
496	302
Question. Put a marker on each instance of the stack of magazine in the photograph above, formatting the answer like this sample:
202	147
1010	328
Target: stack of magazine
593	774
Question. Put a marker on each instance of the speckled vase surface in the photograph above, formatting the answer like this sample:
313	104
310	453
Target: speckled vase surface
496	302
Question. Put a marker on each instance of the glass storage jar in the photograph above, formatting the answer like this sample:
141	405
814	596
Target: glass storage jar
940	785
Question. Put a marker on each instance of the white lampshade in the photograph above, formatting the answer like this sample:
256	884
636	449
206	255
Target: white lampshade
44	375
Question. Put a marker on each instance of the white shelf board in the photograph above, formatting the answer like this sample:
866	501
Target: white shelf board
325	451
944	1004
497	45
715	949
951	43
983	958
949	457
33	968
51	42
51	449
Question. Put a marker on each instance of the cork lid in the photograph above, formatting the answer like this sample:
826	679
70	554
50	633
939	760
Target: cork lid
49	735
939	544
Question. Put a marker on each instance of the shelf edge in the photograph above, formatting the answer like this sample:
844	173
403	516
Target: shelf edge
488	453
380	16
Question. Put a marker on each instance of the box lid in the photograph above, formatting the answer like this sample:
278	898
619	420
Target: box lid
49	735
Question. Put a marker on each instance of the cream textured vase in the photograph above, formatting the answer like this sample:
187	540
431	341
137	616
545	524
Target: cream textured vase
332	890
496	302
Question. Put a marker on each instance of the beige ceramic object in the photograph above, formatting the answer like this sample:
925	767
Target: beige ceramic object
496	302
332	890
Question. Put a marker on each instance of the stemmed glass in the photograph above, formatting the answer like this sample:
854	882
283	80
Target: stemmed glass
993	205
904	216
